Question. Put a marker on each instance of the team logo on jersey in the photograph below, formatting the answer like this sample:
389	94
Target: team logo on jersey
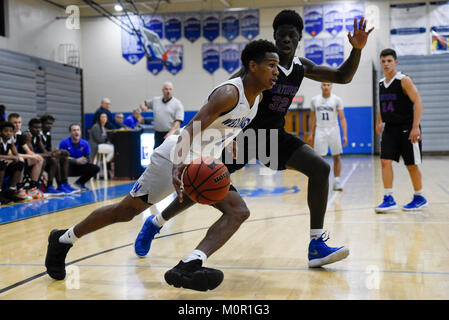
237	123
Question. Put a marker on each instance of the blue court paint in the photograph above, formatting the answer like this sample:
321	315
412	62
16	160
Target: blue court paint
40	207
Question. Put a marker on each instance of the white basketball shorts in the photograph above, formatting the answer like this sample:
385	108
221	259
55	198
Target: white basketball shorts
328	138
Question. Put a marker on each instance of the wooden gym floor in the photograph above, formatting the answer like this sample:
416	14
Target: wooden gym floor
398	255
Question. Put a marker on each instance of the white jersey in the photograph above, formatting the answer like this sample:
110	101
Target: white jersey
220	132
326	110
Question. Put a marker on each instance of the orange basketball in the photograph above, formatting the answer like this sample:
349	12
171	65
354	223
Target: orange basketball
206	180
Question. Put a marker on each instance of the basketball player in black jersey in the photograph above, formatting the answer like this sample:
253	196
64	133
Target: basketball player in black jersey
400	110
293	153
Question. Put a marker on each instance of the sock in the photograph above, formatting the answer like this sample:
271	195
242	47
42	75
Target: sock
418	192
388	192
337	179
195	255
159	220
68	237
315	233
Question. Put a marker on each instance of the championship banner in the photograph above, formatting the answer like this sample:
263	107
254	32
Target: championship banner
192	26
155	66
211	26
230	56
155	23
313	19
352	11
439	27
211	57
230	25
173	27
333	18
132	49
314	50
334	51
174	60
408	28
249	23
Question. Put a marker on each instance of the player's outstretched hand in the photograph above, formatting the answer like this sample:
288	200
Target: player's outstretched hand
360	36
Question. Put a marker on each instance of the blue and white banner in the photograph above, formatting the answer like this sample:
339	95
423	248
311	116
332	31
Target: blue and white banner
230	28
173	27
314	50
132	49
155	23
408	28
155	66
230	56
175	58
333	18
211	25
352	11
313	19
211	57
439	27
334	51
192	26
249	23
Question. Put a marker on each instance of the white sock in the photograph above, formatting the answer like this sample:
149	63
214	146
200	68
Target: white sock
195	255
388	192
315	233
68	237
159	220
337	179
419	192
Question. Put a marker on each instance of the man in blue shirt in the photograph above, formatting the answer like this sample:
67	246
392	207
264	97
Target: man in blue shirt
104	108
134	119
79	154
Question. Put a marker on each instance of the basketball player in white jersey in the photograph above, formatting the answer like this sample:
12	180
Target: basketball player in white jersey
326	108
235	100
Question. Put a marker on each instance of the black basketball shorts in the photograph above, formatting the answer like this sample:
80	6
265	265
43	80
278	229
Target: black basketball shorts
272	150
395	144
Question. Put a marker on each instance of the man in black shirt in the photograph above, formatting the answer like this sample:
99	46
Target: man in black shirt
400	110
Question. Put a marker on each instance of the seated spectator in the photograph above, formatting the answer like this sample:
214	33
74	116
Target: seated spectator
53	159
79	154
33	162
99	140
119	117
11	164
134	119
104	108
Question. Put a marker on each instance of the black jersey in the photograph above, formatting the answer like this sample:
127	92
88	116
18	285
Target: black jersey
5	146
46	139
19	140
396	108
277	100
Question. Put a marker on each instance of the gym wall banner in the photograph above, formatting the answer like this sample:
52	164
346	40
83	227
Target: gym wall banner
408	28
249	23
230	25
174	61
173	27
211	57
132	50
334	51
230	57
211	26
314	50
192	26
313	19
155	23
333	18
439	27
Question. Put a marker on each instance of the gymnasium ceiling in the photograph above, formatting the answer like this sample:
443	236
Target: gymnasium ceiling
88	7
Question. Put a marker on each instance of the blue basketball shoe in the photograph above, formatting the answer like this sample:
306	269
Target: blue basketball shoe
417	203
145	237
320	254
388	204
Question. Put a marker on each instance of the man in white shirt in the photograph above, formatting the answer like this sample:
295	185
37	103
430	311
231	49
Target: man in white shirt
168	113
326	108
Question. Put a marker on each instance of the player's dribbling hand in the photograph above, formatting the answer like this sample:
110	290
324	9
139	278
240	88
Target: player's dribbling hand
360	36
415	135
177	179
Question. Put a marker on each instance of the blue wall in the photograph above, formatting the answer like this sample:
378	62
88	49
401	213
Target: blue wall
359	119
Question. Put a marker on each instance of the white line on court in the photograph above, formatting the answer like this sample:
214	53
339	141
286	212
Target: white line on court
332	199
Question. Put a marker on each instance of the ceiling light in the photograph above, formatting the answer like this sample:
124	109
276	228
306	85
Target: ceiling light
118	7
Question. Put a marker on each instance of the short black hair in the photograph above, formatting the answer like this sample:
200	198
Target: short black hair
47	117
256	50
74	124
33	122
5	124
290	17
388	52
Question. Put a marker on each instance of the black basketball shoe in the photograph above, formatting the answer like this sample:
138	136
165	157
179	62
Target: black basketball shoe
56	254
192	275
